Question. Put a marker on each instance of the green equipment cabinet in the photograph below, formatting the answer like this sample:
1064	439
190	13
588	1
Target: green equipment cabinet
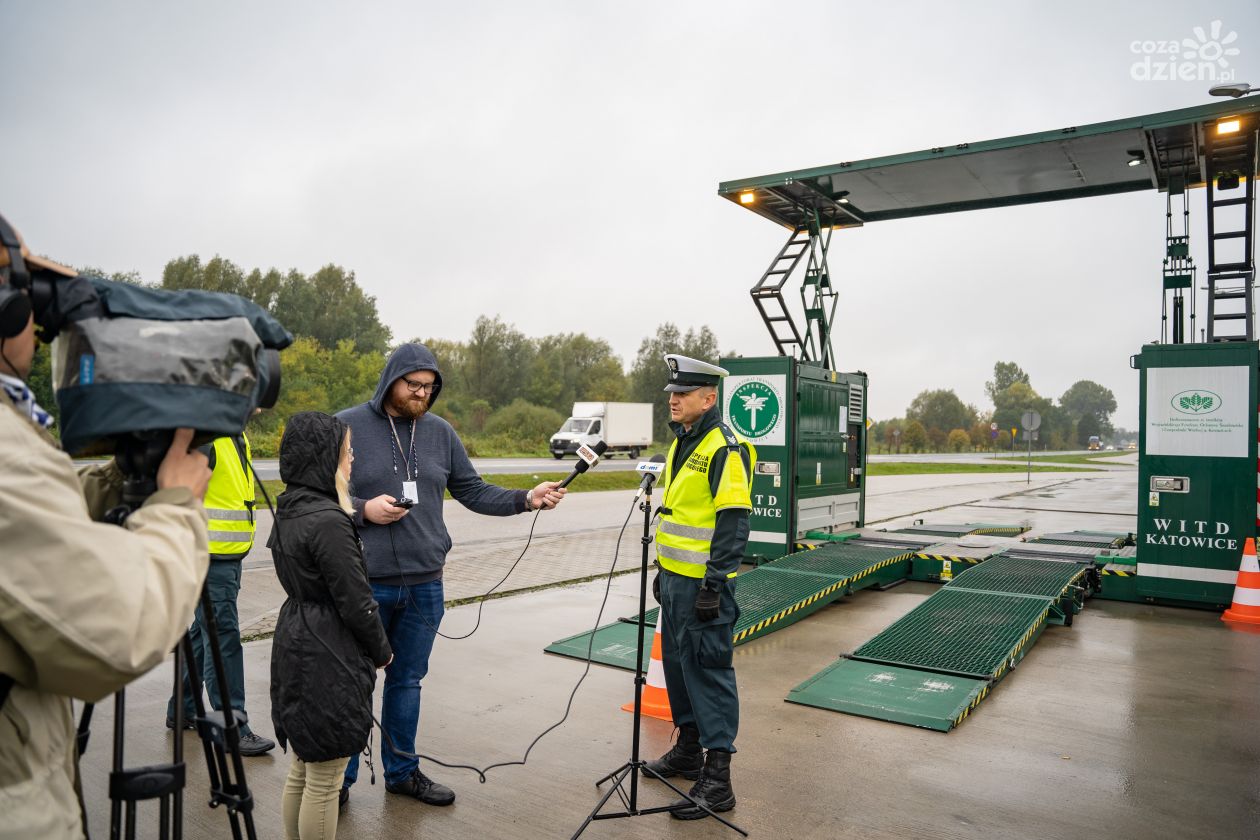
809	427
1197	473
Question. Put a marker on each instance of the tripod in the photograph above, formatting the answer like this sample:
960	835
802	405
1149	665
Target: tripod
632	768
219	732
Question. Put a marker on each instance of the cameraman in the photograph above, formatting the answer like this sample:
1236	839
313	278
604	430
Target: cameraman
85	608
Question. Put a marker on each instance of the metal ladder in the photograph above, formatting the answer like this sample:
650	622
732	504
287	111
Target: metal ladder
1230	161
818	297
768	293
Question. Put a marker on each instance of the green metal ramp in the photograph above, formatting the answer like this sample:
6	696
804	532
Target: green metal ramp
1089	539
965	530
614	644
935	664
770	597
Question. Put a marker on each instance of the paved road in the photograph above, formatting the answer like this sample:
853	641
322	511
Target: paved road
269	467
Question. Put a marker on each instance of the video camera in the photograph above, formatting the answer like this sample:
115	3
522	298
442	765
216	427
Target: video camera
131	364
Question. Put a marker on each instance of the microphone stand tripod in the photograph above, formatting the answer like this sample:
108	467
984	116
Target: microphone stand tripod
632	768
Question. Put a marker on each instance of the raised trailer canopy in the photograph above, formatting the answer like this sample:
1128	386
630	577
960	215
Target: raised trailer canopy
1075	162
1211	145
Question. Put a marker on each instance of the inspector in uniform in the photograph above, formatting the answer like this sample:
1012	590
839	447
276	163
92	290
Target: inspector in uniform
700	543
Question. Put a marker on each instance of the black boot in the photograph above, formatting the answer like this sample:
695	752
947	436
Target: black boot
684	759
713	789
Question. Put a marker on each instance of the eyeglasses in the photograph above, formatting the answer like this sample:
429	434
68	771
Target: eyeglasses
419	387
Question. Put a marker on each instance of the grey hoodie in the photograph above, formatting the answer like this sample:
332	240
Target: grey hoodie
413	549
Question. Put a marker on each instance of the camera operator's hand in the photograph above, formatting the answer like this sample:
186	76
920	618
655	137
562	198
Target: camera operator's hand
381	510
182	468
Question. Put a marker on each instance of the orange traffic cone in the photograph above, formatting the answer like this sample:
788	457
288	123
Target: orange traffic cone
1246	608
655	697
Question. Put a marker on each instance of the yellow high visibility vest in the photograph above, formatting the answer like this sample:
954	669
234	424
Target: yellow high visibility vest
230	500
684	536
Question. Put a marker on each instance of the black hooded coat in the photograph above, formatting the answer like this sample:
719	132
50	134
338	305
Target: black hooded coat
320	705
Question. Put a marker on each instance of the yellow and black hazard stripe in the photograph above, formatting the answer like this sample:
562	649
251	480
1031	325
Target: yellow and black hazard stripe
971	561
1028	636
813	599
983	693
1117	573
1010	531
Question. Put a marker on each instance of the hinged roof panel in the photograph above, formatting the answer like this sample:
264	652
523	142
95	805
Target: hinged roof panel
1073	162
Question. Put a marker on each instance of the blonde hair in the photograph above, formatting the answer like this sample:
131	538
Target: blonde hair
341	481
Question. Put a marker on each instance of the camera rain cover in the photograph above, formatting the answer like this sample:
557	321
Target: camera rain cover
129	359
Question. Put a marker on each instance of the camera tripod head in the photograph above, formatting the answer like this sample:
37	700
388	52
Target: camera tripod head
138	456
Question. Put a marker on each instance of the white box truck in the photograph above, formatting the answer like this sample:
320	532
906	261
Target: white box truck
625	427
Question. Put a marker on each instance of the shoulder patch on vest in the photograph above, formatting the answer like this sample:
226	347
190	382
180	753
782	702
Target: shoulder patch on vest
732	442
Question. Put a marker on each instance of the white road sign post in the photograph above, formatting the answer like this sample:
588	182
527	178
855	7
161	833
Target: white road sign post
1031	421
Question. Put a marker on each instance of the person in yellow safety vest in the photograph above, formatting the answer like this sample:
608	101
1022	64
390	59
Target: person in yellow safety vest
700	544
230	511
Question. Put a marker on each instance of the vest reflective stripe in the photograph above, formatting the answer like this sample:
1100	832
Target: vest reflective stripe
231	515
232	537
680	530
684	537
682	555
230	500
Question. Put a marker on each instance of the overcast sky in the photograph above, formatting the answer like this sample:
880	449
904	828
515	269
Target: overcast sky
556	163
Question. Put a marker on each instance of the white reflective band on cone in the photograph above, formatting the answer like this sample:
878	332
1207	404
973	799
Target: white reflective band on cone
1246	597
656	673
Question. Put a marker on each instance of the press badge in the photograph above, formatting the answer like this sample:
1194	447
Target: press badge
409	491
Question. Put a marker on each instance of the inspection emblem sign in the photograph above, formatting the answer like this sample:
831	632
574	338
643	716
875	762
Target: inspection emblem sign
1197	411
755	406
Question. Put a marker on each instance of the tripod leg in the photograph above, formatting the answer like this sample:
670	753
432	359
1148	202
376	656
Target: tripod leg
115	805
177	750
618	776
235	795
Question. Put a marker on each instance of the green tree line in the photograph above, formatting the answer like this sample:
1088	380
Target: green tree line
504	391
938	421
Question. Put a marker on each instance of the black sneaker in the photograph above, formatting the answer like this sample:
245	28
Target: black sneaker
420	786
343	797
252	744
189	723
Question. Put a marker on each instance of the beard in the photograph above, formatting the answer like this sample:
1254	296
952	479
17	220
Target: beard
408	407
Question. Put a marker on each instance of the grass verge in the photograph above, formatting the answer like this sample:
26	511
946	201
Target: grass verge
1079	458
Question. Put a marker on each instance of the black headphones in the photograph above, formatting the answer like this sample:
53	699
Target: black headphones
15	299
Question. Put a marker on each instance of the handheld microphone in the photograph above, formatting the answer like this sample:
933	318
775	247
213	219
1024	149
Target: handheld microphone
588	456
651	469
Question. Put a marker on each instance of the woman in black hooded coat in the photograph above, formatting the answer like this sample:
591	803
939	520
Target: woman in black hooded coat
329	640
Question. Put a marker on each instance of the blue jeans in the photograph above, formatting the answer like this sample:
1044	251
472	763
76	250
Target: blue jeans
223	584
411	616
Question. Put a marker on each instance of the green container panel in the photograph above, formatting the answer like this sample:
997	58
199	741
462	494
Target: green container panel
1198	422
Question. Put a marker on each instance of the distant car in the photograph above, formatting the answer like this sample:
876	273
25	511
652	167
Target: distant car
1095	443
1132	445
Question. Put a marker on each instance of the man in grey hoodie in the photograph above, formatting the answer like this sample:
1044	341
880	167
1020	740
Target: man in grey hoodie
403	451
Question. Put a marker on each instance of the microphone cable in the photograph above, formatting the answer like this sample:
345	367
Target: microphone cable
481	602
387	742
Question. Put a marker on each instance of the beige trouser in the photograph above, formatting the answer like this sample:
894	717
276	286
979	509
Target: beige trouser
309	804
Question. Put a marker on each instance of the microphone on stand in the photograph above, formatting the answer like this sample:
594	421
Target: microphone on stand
588	456
651	469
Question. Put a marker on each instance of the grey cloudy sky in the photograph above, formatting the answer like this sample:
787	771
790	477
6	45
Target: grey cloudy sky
556	163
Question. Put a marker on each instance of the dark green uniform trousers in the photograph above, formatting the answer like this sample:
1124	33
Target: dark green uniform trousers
699	671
